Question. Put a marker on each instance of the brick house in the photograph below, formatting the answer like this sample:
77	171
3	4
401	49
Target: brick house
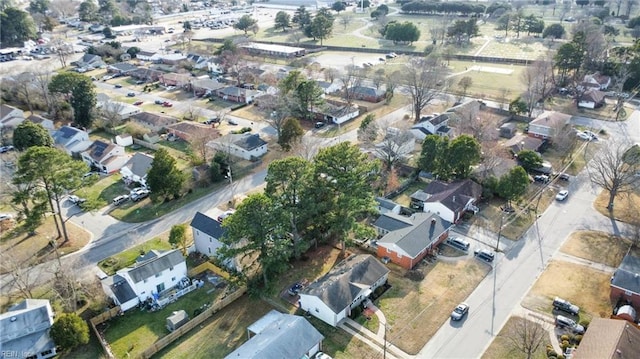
625	282
369	94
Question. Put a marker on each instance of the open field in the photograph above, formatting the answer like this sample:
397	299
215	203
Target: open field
581	285
488	85
599	247
502	346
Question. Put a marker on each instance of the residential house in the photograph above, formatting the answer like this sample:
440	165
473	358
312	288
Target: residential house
153	121
548	124
71	139
248	146
448	200
254	48
278	335
169	59
135	170
237	94
592	98
10	117
199	62
609	339
329	87
332	297
429	125
174	79
187	130
385	205
596	81
89	61
337	114
96	28
396	144
145	55
121	68
523	142
369	94
625	283
106	157
206	86
25	330
117	110
42	121
206	234
409	239
147	75
151	275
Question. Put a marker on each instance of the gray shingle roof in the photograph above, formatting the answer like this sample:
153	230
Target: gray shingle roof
410	241
207	225
139	164
25	327
155	265
386	203
392	222
287	336
120	288
250	142
338	288
454	195
627	276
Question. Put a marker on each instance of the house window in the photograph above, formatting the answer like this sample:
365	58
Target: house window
145	281
317	310
142	293
210	239
628	292
46	352
197	232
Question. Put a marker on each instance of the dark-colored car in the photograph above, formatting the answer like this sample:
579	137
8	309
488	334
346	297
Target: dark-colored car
117	86
295	289
158	102
461	310
484	254
566	306
131	94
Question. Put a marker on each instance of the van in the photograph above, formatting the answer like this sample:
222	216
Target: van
120	199
458	243
561	304
484	254
564	322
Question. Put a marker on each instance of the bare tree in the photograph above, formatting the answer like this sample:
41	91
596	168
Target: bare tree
424	79
504	96
614	169
111	113
308	147
295	37
41	80
537	79
345	19
198	143
395	146
25	87
330	74
192	112
527	336
350	81
63	8
22	276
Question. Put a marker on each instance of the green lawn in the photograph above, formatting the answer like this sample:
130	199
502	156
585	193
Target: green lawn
127	258
102	192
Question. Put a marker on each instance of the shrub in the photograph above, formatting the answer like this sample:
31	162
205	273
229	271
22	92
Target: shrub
577	339
565	337
552	354
585	322
414	275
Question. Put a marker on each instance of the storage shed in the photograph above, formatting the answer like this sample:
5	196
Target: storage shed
176	320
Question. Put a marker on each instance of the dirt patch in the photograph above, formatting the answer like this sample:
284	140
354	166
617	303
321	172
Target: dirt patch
23	248
415	310
625	207
503	347
582	286
599	247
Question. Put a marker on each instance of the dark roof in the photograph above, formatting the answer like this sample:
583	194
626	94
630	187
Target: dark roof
155	265
98	149
366	91
64	134
146	53
139	164
386	203
454	195
6	109
340	287
37	119
392	222
421	129
627	276
207	225
120	288
287	336
424	232
595	96
435	121
523	142
154	119
123	67
250	142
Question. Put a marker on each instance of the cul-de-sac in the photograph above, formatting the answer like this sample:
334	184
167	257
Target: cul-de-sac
318	179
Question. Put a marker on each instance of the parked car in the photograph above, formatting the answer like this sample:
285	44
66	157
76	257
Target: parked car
76	200
458	243
484	254
137	103
139	82
118	86
120	199
586	136
321	355
562	195
590	134
232	122
167	104
541	178
212	121
566	306
461	310
158	102
295	289
225	215
5	216
564	322
139	194
106	77
4	149
131	94
564	177
319	124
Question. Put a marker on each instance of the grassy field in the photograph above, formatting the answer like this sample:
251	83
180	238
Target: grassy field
598	247
582	286
502	346
487	85
127	258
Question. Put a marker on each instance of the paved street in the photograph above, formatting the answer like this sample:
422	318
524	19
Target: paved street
515	271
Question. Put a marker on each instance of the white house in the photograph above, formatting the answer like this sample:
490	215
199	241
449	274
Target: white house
107	157
71	139
25	330
135	170
329	87
10	116
247	146
592	98
206	232
430	125
278	335
385	205
144	55
115	108
448	200
151	275
349	283
548	124
339	114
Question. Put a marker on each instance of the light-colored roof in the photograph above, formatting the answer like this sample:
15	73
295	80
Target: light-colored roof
551	119
272	48
154	265
609	339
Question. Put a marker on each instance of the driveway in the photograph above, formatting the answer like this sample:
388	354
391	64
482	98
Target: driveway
517	270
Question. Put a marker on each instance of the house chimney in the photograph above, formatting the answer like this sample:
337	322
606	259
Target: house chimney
454	199
433	222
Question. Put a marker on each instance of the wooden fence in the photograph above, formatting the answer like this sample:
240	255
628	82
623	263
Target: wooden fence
99	319
210	266
171	337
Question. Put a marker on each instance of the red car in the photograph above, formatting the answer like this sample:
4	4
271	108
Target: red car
167	104
137	103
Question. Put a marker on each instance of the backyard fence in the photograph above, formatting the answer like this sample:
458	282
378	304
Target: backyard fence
210	266
146	144
173	336
99	319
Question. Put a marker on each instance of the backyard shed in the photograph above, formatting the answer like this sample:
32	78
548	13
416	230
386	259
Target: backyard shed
176	320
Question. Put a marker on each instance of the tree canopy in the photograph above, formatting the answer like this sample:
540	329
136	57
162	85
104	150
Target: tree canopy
405	32
29	134
529	160
282	20
17	26
449	159
69	331
164	178
513	184
245	23
79	91
291	133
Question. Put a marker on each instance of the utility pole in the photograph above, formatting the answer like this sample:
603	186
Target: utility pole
499	231
384	354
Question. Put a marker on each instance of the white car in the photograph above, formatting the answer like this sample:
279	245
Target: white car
562	195
321	355
4	216
583	136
